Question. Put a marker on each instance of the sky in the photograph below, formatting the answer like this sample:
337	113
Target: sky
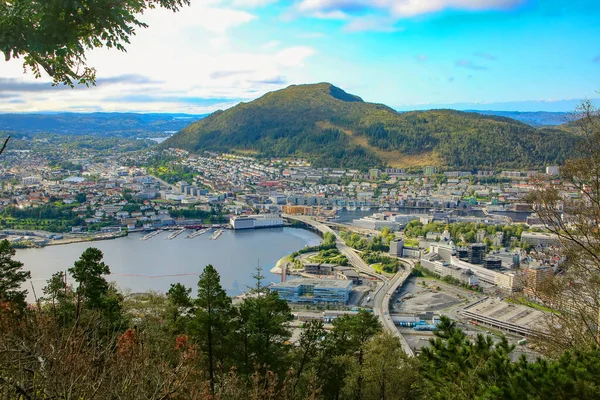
516	55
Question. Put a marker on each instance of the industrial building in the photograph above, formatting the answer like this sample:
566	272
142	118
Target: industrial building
305	290
506	316
255	221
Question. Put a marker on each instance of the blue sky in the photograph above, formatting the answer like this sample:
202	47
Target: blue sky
523	55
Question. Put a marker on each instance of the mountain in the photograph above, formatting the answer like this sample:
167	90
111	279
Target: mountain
534	118
336	129
104	124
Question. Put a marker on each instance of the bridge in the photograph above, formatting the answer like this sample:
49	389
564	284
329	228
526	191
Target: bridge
383	293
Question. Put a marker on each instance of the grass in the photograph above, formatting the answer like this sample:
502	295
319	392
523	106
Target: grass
411	242
377	268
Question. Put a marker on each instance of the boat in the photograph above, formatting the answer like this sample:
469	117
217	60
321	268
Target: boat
197	233
351	208
365	208
173	235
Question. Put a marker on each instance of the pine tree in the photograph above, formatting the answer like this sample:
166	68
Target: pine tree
12	277
213	320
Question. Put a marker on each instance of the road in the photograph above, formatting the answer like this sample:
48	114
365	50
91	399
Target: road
381	298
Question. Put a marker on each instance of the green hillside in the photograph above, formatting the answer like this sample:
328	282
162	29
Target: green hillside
337	129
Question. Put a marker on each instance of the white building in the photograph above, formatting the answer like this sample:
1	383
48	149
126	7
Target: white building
256	221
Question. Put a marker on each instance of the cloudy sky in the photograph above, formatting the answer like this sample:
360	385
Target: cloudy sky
525	55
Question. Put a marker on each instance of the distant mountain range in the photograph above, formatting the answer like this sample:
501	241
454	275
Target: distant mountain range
534	118
104	124
336	129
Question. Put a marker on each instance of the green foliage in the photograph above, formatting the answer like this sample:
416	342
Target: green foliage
386	264
261	333
48	217
179	295
466	230
357	242
53	35
12	277
213	321
332	256
252	358
343	131
60	296
93	291
170	172
328	243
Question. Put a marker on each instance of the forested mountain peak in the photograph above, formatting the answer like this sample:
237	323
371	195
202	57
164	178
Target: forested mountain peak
334	128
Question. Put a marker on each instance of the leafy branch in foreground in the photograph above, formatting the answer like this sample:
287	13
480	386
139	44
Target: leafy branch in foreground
53	35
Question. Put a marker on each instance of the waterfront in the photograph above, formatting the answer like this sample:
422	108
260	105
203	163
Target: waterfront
154	264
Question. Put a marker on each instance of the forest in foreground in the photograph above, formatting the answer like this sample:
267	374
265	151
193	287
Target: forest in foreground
89	341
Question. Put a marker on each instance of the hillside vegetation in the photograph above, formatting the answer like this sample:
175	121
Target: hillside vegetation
337	129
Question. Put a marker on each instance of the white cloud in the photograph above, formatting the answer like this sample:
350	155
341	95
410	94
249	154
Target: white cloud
410	8
333	14
381	15
252	3
372	23
190	55
294	56
271	44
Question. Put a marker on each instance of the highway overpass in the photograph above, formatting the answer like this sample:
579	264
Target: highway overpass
383	294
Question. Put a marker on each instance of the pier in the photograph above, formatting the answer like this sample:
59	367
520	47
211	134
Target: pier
216	235
173	235
151	235
197	233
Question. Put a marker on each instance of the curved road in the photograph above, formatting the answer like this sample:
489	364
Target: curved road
383	294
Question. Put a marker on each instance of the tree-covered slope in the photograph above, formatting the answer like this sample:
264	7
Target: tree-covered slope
334	128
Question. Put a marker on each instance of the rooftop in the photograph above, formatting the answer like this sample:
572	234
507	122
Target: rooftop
317	283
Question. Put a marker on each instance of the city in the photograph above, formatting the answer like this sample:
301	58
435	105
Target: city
299	200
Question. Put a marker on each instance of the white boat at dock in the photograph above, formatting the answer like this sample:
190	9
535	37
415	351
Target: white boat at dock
197	233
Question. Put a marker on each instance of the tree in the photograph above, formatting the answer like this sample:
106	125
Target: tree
12	277
92	287
179	295
389	373
81	197
53	35
309	347
60	295
458	368
570	209
262	330
341	361
213	320
354	333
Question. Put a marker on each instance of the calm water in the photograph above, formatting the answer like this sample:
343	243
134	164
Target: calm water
144	265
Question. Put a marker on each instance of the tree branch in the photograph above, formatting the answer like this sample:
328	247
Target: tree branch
4	145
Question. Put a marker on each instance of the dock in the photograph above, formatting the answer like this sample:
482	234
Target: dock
197	233
216	235
173	235
151	235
